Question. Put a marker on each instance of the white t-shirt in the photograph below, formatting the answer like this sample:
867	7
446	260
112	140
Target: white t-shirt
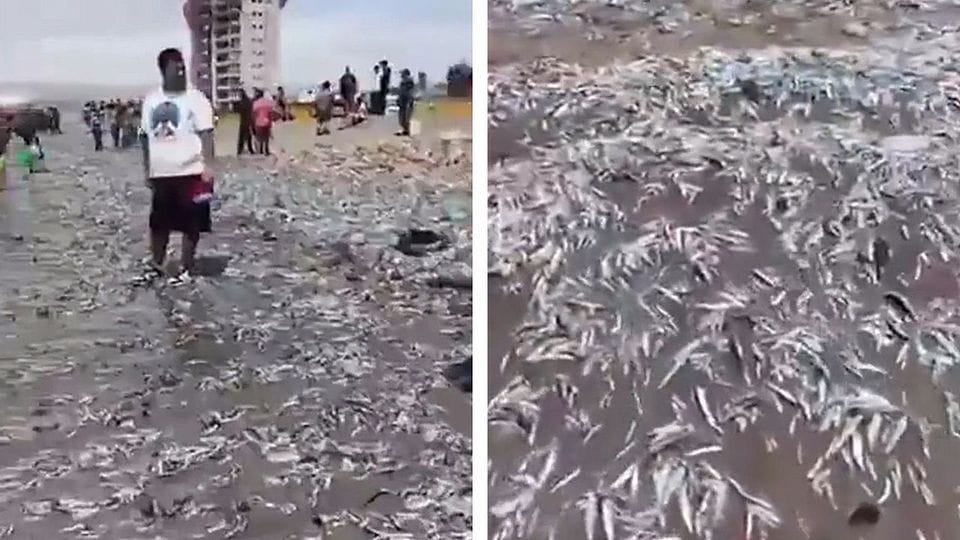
172	122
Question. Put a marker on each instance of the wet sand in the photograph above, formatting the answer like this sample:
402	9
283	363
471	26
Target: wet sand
293	389
591	409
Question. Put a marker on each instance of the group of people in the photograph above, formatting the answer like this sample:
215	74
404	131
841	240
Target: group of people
259	113
121	118
257	117
406	94
355	106
177	141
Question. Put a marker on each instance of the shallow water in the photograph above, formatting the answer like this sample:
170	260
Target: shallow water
283	392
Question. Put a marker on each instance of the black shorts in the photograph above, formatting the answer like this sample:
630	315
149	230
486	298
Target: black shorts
173	209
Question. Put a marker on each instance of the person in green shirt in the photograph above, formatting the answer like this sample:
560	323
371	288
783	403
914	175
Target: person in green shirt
31	157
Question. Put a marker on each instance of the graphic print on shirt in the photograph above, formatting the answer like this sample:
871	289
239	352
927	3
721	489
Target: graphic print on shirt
164	120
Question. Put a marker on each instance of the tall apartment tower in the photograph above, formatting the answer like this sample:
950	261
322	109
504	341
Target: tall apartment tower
234	44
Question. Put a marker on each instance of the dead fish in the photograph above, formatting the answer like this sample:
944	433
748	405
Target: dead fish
900	305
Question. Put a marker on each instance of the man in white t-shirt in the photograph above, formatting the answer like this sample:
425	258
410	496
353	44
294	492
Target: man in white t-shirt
177	140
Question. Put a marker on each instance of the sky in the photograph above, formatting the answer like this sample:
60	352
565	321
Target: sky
109	42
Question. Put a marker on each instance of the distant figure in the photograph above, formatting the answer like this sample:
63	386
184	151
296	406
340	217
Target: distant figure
245	133
263	114
133	126
385	74
323	108
110	119
128	129
96	129
348	91
119	123
178	159
54	113
405	101
375	91
37	159
282	104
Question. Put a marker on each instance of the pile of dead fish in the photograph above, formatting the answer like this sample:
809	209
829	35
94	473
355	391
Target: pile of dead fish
445	168
366	219
277	388
728	258
614	19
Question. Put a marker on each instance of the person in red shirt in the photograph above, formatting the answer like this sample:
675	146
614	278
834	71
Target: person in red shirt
263	115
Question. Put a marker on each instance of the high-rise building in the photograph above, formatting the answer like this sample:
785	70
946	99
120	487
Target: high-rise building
234	44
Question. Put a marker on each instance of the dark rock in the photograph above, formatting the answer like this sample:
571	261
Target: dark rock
714	162
419	242
51	425
211	266
782	204
864	514
451	281
460	375
881	254
751	90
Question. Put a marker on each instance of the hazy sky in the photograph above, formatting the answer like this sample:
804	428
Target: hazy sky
116	41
